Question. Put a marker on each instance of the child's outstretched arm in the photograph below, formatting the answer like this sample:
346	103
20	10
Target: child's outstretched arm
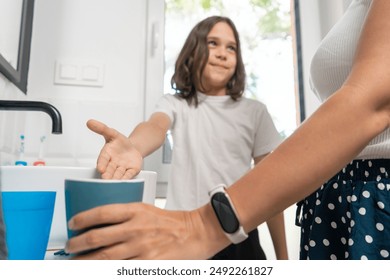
121	157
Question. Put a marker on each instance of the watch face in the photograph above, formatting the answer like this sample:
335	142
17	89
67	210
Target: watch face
224	212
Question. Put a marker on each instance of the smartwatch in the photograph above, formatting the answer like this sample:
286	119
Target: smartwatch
227	215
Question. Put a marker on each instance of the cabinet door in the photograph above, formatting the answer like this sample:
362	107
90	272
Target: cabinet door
154	86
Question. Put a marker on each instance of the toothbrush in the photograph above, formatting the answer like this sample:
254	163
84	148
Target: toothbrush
21	160
40	161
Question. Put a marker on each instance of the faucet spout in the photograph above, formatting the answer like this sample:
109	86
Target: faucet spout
19	105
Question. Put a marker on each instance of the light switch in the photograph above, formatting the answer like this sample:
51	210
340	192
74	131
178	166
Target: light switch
79	72
90	73
68	72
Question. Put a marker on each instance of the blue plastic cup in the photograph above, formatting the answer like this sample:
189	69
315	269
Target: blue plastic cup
28	217
84	194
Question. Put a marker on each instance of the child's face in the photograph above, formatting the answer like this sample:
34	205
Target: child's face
222	60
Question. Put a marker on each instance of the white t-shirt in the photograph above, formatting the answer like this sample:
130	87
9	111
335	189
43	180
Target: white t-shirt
332	63
213	143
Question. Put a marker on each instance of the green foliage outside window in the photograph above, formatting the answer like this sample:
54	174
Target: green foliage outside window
273	22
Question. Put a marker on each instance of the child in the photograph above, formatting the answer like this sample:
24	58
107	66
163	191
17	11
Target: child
216	131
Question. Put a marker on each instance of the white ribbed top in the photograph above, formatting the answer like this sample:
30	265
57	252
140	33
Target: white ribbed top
332	63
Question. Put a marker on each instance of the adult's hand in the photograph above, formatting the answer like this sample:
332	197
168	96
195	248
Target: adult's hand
142	231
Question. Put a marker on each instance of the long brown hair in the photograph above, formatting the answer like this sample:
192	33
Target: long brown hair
190	64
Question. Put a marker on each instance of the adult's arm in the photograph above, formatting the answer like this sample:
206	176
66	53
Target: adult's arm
332	137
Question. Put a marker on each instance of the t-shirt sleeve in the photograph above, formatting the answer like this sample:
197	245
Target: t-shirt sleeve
166	104
267	137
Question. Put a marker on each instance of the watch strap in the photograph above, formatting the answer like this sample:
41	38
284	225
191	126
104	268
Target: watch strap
239	234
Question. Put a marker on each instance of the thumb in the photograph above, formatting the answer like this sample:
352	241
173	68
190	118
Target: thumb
100	128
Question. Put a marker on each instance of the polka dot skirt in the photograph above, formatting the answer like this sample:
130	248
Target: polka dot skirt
349	216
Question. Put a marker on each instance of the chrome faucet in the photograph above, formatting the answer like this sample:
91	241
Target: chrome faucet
19	105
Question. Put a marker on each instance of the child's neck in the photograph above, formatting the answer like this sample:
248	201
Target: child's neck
219	92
